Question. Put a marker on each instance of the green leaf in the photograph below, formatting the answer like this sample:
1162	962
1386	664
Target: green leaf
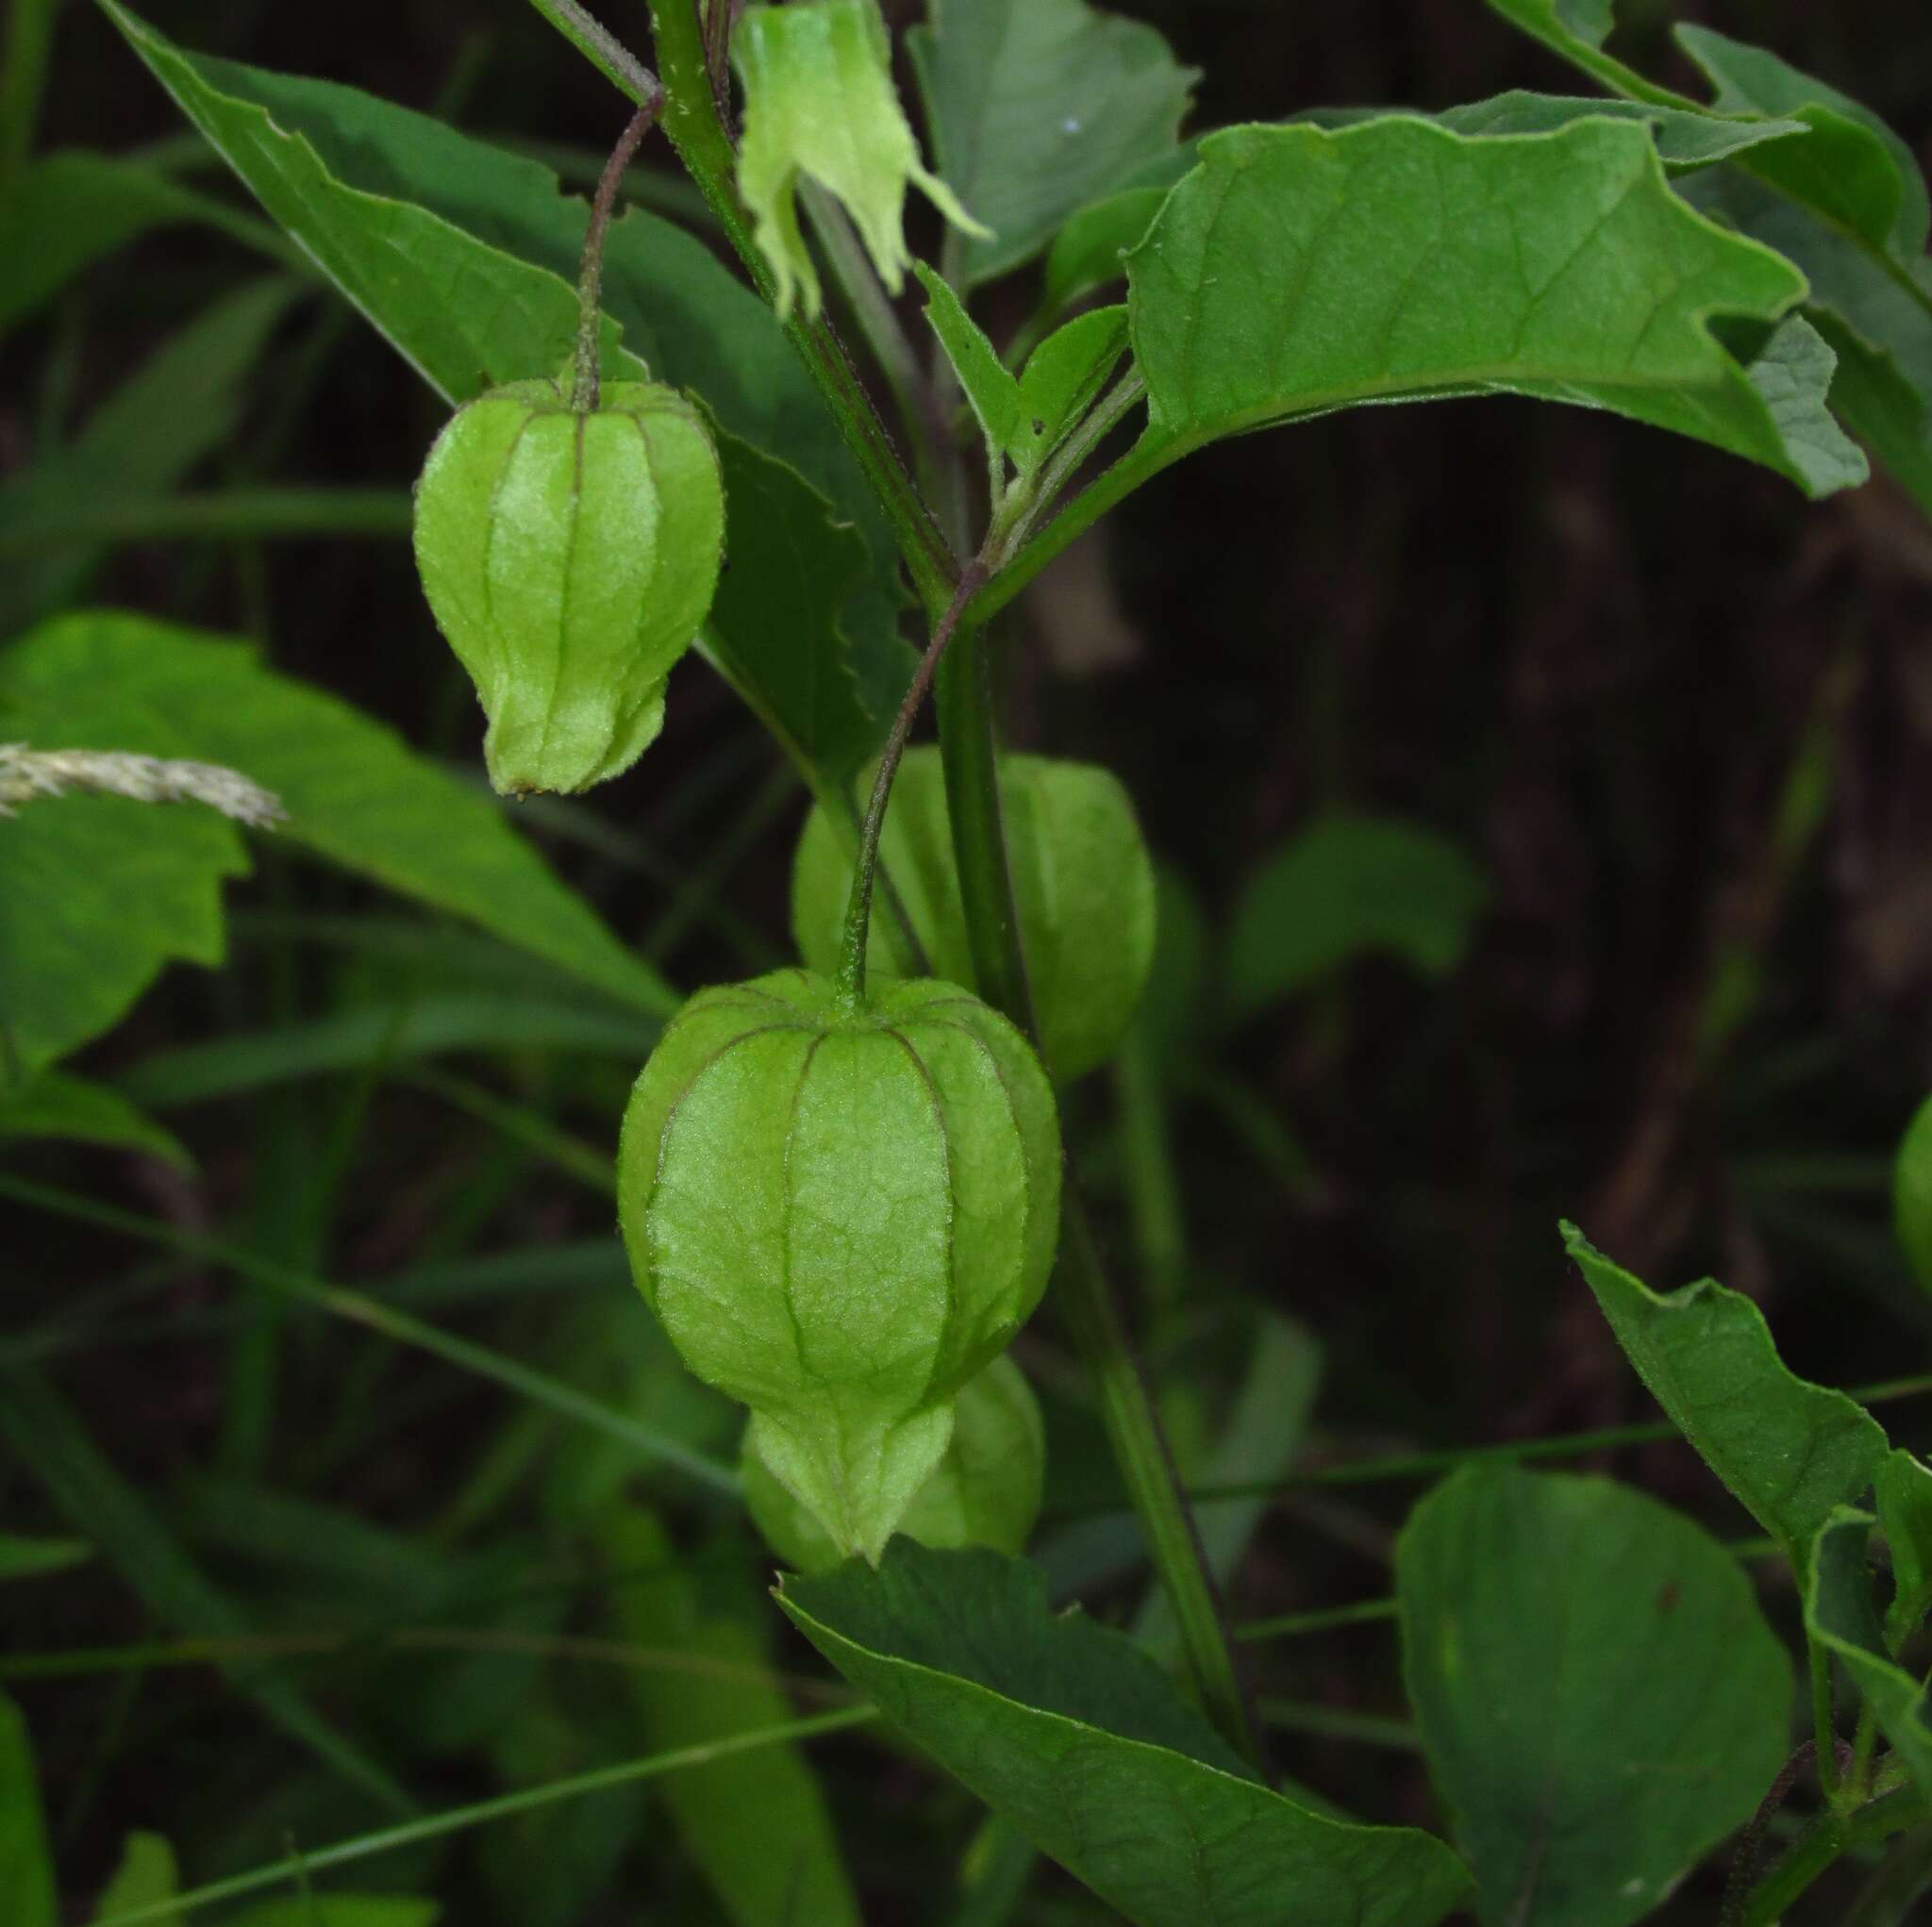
1686	141
778	630
1347	886
57	1105
1063	378
1600	1698
1790	1452
25	1558
1902	1488
99	1503
179	406
98	894
1911	1194
755	1824
26	1865
1298	271
1577	29
1025	418
1841	1616
1852	169
70	209
1075	1736
354	793
1089	252
399	210
1039	107
145	1878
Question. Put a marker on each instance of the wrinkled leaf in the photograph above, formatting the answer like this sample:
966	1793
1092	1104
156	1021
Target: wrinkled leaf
1841	1615
1040	107
57	1105
1298	271
1790	1452
70	209
354	793
757	1823
1075	1736
1347	886
27	1867
146	1877
1600	1698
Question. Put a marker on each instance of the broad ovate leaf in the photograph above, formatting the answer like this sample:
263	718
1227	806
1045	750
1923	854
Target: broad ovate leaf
1297	271
1790	1453
1075	1736
1039	107
1599	1695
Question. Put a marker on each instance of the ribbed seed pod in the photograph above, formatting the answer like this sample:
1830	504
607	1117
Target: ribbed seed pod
985	1491
570	558
1081	879
839	1215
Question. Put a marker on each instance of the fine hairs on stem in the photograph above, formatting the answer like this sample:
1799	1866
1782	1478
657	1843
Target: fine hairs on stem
584	396
859	911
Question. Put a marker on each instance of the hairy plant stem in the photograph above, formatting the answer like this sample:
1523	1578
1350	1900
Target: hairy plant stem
1828	1839
859	906
585	395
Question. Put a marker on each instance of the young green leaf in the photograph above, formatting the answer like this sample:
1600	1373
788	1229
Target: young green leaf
1297	271
1091	251
1040	107
145	1878
1841	1615
1075	1736
755	1824
1348	885
1600	1698
26	1865
1790	1452
54	1105
989	385
354	793
1902	1490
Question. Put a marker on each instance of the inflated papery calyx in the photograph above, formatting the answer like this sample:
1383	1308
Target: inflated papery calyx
819	102
570	557
985	1491
841	1212
1082	882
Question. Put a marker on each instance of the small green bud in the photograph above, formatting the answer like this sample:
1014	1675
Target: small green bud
570	558
818	101
985	1491
1081	878
840	1214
